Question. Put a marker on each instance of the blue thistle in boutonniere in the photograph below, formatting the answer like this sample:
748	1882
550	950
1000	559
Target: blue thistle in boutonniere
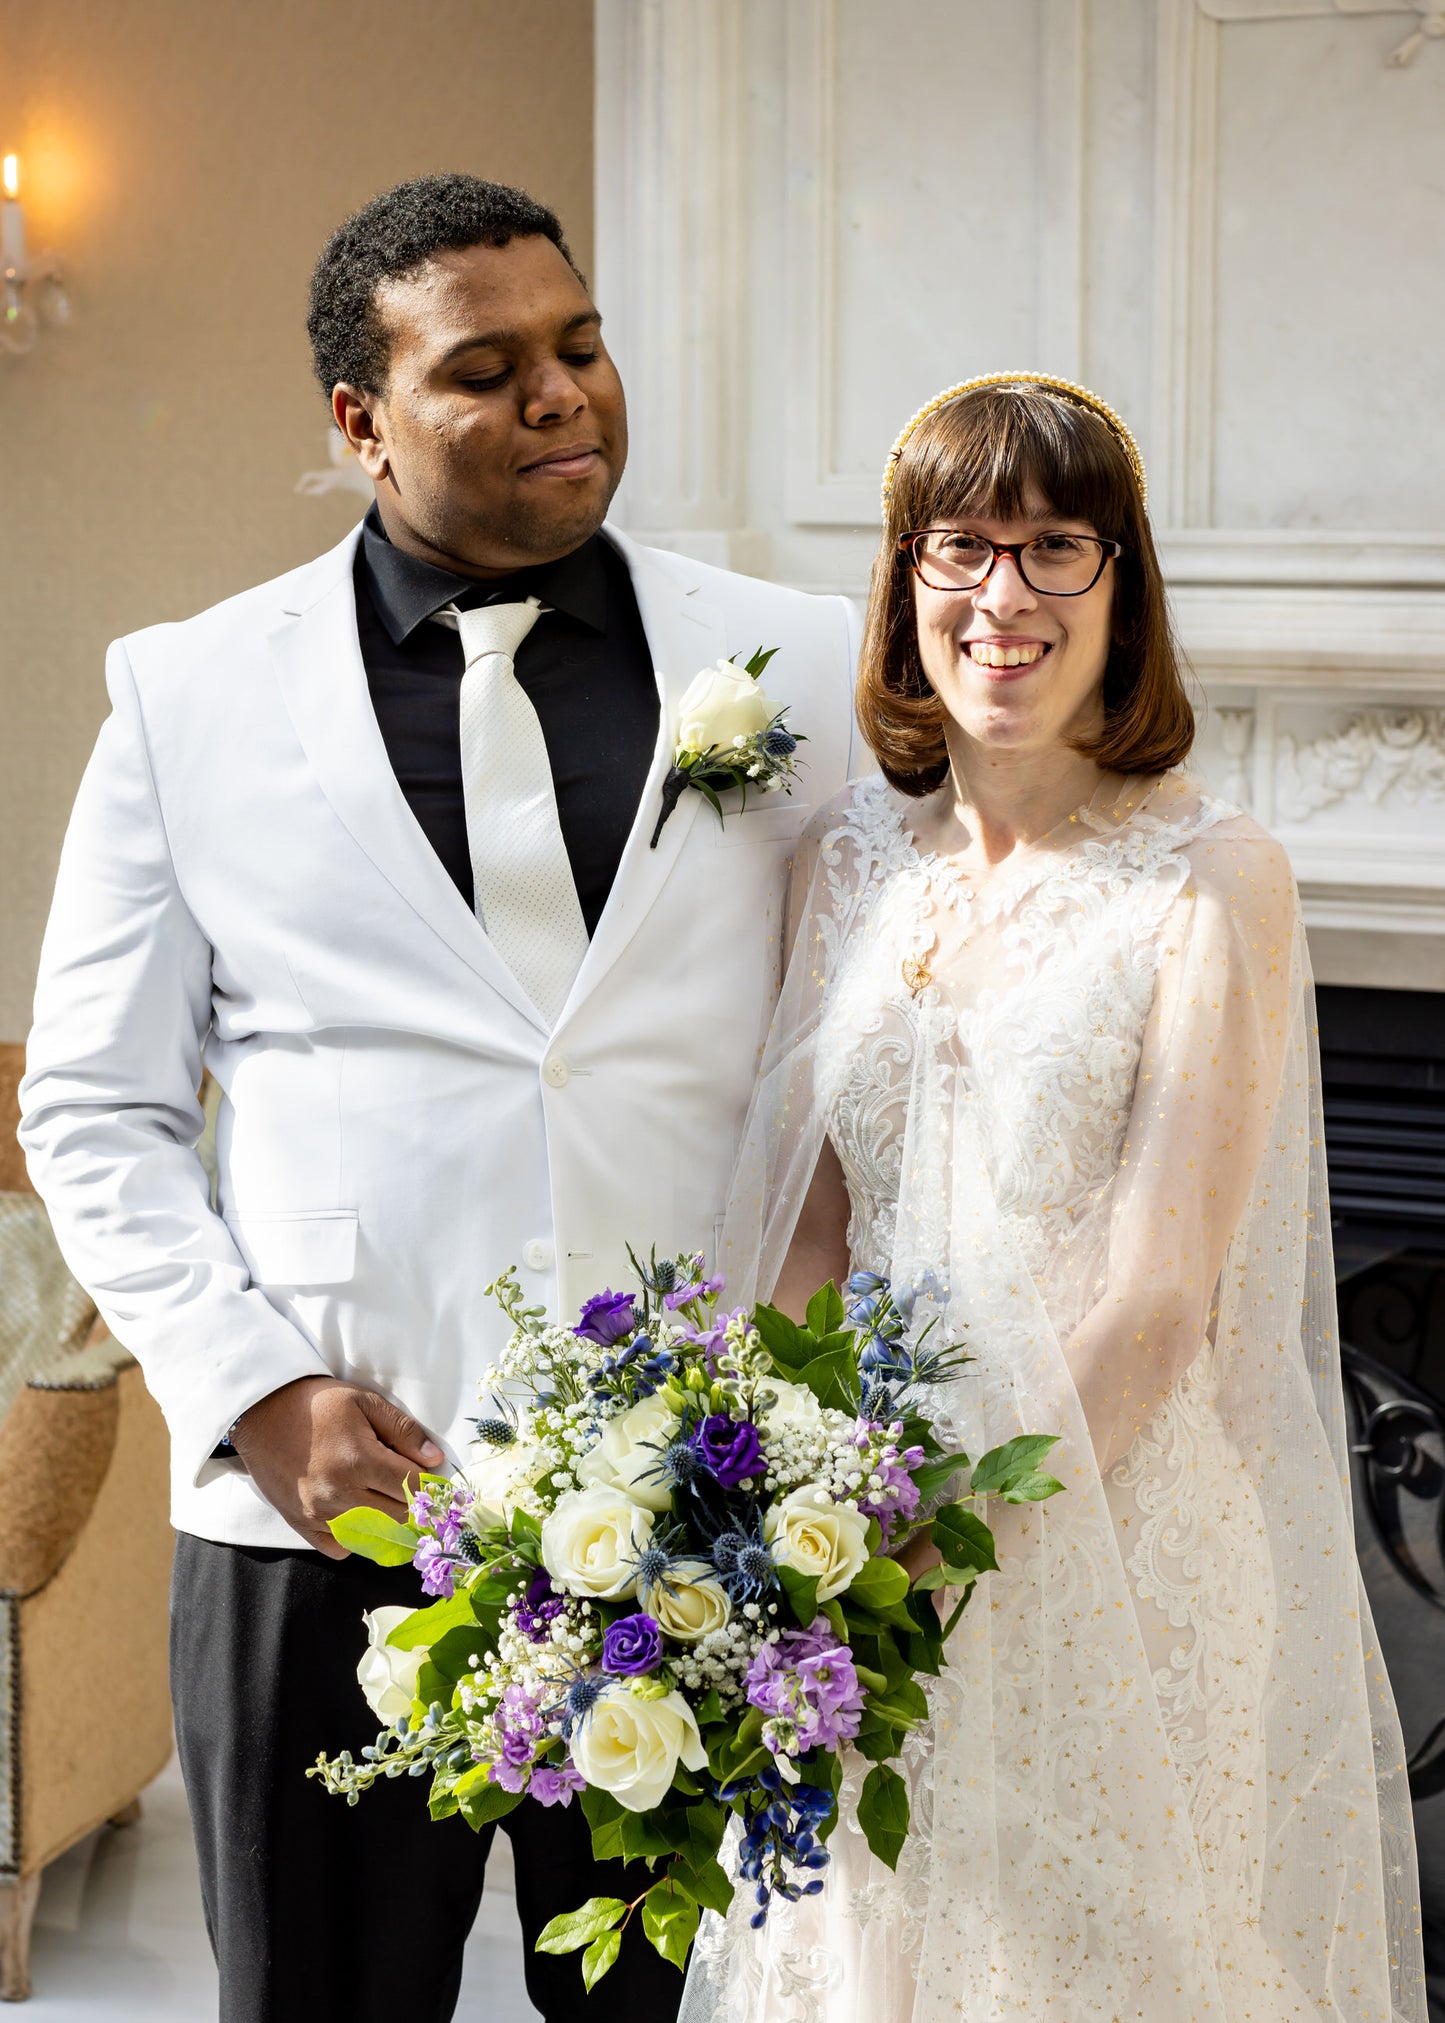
730	734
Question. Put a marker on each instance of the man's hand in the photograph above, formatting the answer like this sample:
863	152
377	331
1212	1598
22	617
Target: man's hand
319	1446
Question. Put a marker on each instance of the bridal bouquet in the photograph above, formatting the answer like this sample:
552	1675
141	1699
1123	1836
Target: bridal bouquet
665	1588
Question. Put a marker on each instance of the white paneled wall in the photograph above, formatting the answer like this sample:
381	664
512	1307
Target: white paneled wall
1227	216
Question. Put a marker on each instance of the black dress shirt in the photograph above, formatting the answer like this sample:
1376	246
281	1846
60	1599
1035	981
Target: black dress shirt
585	667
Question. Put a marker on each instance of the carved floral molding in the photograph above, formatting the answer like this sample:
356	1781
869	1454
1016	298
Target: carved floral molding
1377	754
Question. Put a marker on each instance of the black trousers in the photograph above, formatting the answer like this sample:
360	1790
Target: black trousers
335	1913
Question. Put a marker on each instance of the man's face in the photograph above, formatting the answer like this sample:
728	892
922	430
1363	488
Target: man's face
501	433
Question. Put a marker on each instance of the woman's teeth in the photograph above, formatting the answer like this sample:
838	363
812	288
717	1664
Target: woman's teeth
984	653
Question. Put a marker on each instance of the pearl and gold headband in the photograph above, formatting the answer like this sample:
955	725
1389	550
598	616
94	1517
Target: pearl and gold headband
1079	395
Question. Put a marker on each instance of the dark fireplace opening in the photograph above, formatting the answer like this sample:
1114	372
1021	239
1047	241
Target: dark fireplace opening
1383	1068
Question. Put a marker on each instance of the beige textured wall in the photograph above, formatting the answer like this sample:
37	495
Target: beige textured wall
188	158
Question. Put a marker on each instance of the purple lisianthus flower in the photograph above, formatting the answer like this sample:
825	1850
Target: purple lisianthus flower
539	1608
807	1679
554	1783
697	1286
730	1448
631	1645
606	1318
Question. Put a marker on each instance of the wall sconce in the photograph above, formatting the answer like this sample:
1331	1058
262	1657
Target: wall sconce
34	285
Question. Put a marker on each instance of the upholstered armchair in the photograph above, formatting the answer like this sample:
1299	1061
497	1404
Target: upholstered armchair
85	1552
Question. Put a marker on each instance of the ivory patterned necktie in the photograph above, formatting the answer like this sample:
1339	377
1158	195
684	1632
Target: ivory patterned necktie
526	897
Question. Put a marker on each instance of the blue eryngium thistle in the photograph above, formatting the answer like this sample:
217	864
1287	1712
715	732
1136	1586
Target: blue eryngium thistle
744	1566
778	743
495	1432
678	1463
582	1696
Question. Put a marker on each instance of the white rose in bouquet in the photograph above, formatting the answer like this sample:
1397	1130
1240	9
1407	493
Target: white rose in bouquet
796	1406
592	1539
720	704
388	1677
630	1446
632	1742
809	1531
688	1609
500	1477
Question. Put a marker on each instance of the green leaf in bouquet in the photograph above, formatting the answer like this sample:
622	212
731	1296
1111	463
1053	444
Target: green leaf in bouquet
868	1679
878	1584
826	1311
577	1928
442	1802
739	1753
648	1835
605	1816
707	1883
374	1535
670	1921
783	1339
424	1627
877	1738
802	1593
482	1801
838	1622
883	1813
1004	1470
904	1704
525	1532
936	1476
964	1540
832	1379
709	1708
706	1825
830	1773
450	1659
599	1958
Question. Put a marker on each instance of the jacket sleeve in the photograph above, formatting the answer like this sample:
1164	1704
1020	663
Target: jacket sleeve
111	1113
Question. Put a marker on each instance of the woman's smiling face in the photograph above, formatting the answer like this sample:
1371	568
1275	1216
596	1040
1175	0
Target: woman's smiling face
1015	668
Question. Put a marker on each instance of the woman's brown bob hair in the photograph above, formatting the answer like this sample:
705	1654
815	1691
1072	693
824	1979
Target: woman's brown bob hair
990	452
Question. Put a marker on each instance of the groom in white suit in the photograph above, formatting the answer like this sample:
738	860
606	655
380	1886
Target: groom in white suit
371	843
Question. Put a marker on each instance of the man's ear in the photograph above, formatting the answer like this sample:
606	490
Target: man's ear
355	415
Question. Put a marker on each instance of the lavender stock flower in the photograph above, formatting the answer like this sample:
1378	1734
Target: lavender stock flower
807	1682
554	1783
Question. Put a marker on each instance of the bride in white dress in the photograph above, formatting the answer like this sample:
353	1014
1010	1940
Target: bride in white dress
1045	1056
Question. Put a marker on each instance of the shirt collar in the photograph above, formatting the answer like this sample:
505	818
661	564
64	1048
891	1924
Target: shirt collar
408	591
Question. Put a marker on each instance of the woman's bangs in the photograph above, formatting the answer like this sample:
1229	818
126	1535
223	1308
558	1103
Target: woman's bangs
997	455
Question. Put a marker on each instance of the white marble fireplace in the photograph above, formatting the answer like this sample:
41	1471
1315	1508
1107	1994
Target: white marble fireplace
1227	216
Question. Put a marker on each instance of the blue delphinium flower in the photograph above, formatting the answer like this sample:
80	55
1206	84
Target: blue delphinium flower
780	1834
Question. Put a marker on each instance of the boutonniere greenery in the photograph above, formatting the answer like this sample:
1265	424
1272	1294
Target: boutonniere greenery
730	734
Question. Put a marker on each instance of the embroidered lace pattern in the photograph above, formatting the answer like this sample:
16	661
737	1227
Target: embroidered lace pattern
1045	1098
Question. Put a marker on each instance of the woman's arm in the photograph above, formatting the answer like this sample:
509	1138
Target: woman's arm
1204	1102
819	1249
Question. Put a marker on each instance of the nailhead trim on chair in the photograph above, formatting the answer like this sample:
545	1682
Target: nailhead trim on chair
9	1738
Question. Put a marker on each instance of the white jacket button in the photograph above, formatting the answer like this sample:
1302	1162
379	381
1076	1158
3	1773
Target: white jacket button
537	1255
556	1072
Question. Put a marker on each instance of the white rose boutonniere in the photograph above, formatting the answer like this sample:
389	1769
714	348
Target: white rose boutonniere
729	734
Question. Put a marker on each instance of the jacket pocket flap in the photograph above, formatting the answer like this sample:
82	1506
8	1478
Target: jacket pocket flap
304	1246
763	824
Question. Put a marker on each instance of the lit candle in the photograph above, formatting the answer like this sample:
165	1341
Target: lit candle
12	217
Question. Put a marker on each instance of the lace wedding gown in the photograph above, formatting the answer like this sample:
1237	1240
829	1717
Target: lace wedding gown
1077	1112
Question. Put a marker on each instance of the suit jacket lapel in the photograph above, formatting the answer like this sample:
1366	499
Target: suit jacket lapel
685	633
317	657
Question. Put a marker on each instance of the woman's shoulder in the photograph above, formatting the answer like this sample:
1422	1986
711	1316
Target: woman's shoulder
864	812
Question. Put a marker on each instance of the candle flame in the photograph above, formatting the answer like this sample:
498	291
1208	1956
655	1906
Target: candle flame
12	176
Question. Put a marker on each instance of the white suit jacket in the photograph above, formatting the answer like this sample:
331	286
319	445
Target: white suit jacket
244	888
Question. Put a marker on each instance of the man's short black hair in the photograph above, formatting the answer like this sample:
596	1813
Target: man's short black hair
390	237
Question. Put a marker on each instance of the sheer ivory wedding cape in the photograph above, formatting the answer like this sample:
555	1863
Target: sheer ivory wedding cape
1078	1113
